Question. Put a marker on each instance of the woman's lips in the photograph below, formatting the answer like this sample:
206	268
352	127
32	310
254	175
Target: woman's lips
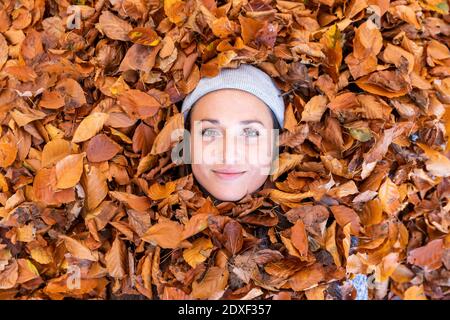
228	175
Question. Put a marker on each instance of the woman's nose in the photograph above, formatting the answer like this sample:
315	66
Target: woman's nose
233	149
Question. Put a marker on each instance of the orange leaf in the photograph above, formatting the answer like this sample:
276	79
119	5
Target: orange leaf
167	234
330	244
175	11
54	151
169	135
138	203
344	215
389	196
44	187
138	104
116	259
307	277
299	237
415	293
159	192
145	36
196	224
77	249
95	186
380	83
437	164
69	170
9	275
8	153
213	283
429	256
113	27
314	108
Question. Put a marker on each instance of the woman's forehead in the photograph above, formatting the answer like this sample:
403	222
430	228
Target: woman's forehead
231	105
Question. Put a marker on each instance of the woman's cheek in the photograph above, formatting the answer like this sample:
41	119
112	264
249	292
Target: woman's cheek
212	152
204	151
259	154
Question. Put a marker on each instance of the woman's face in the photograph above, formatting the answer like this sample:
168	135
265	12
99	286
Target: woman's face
231	143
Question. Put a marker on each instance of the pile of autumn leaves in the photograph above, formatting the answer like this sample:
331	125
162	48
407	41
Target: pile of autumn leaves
91	205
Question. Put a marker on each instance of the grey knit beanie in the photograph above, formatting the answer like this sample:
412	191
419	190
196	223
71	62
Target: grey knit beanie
247	78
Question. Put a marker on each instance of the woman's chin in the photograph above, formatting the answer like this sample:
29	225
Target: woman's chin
228	197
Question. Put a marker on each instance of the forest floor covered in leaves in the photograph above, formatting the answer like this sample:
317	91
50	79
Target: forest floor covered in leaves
92	207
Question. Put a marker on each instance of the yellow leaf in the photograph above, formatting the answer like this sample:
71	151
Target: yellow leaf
90	126
415	293
41	255
174	10
26	233
159	192
199	252
389	196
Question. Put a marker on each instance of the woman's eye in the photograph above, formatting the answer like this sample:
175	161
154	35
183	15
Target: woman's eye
210	133
250	132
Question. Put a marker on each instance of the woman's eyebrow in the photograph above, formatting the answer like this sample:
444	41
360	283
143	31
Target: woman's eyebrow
250	121
211	120
241	122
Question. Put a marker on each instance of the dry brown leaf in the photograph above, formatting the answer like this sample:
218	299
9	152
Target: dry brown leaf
101	148
233	237
113	27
